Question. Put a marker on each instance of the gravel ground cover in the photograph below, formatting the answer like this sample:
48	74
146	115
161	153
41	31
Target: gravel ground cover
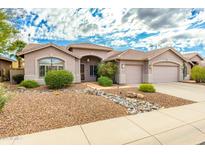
162	100
38	109
34	111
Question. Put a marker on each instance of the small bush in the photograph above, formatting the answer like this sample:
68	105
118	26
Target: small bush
3	98
198	73
147	88
29	84
57	79
105	81
107	69
18	78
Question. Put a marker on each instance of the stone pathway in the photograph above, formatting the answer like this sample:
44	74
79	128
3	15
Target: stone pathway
178	125
95	85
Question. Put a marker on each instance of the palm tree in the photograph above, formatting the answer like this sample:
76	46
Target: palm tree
17	46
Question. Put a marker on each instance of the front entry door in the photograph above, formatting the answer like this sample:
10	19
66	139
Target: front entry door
82	72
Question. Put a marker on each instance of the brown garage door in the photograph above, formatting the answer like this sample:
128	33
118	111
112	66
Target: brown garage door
133	74
165	74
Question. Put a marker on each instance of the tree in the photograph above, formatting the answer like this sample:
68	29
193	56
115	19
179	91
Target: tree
7	32
198	73
17	46
108	69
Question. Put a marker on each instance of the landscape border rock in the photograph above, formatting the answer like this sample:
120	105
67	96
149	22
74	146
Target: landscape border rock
133	105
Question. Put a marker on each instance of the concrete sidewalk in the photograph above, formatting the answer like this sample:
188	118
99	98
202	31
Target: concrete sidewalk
178	125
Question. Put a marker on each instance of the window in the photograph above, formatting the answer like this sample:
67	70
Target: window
93	70
50	63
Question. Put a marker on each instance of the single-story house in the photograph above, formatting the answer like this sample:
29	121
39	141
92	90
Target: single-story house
157	66
5	66
195	58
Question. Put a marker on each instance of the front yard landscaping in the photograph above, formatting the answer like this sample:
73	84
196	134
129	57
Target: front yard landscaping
38	109
162	100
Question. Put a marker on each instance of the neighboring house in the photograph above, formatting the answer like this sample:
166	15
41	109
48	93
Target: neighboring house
195	58
5	66
17	65
157	66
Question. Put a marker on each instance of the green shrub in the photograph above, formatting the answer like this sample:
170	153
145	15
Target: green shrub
108	69
57	79
29	84
147	88
3	98
198	73
18	78
105	81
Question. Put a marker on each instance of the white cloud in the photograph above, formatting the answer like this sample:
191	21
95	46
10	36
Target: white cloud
117	24
118	43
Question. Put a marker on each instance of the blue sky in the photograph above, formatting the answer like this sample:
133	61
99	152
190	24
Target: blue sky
121	29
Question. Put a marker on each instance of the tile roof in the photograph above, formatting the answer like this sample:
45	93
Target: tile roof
140	55
6	59
191	55
89	46
33	47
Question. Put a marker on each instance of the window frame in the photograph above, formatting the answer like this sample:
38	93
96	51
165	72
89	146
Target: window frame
50	65
93	73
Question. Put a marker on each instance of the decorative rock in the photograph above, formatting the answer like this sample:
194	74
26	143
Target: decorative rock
133	105
21	89
140	96
56	93
131	94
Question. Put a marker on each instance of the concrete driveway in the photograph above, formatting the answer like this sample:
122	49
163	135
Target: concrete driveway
183	90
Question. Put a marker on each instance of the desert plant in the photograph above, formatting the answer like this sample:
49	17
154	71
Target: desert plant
145	87
198	73
108	69
57	79
29	84
3	98
18	78
105	81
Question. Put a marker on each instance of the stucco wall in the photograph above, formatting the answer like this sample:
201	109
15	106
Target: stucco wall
188	65
14	72
5	64
167	58
32	67
86	52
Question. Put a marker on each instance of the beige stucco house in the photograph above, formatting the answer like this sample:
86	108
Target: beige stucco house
157	66
195	58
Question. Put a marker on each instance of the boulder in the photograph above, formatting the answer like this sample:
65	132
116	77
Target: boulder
56	93
131	94
140	96
21	89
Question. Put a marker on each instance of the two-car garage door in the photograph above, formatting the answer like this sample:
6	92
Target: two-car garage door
161	73
165	74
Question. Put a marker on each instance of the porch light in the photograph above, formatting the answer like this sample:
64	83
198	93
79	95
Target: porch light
88	60
123	66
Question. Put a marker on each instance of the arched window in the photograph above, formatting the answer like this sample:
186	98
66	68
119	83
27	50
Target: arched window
50	63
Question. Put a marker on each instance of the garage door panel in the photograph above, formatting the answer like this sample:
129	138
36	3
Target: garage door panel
133	74
165	74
